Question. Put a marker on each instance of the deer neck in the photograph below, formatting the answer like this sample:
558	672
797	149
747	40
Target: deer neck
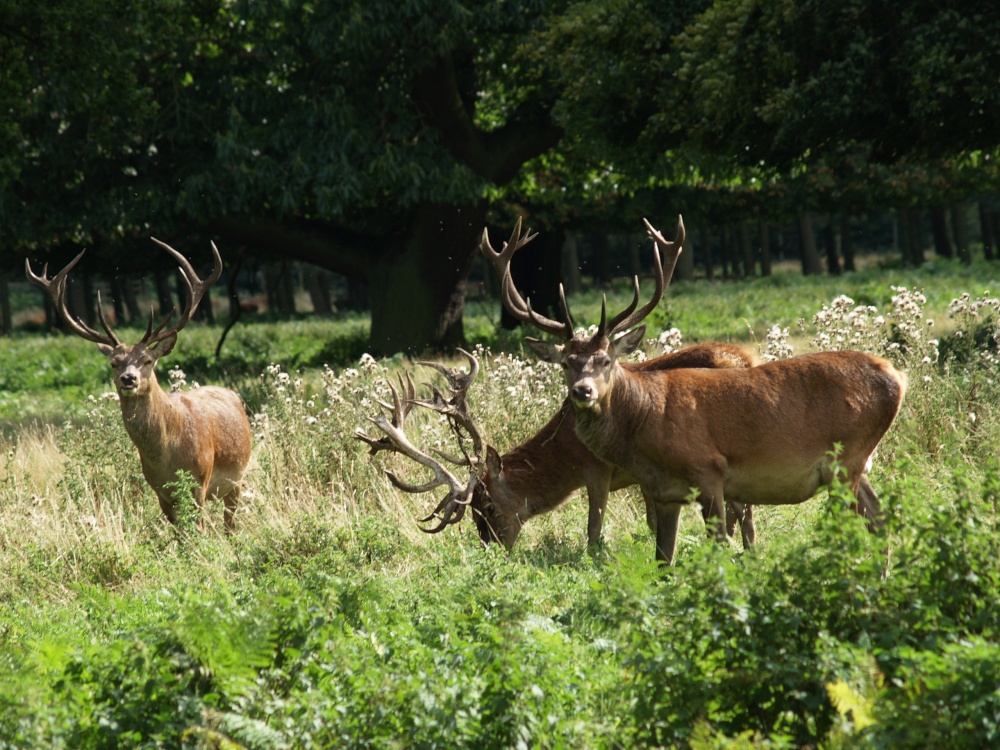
150	418
545	469
607	428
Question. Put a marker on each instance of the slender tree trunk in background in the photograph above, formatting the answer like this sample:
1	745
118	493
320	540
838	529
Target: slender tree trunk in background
705	240
79	292
960	226
570	264
995	226
736	252
939	228
602	258
163	298
847	243
117	300
5	323
830	245
986	228
280	289
765	249
132	310
634	251
746	247
318	287
537	273
725	253
911	238
807	246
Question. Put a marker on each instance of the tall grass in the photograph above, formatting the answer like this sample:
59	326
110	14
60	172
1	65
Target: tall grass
330	619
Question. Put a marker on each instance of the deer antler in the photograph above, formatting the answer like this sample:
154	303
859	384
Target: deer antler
451	509
55	288
196	290
520	308
662	272
517	305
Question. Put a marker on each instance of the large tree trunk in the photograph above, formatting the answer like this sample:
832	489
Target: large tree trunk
421	289
807	245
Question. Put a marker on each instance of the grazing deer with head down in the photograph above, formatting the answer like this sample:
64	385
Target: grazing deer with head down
538	475
762	435
204	432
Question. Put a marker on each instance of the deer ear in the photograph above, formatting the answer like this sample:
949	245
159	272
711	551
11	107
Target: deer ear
106	350
545	351
627	343
164	346
494	464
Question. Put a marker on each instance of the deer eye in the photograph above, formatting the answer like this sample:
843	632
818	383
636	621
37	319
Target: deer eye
117	362
605	362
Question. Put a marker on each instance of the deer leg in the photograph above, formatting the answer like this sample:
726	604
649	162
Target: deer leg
167	506
668	517
742	514
868	505
747	528
597	495
230	502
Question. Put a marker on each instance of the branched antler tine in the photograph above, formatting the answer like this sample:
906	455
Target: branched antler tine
617	320
55	288
564	306
195	286
450	510
473	364
103	320
515	303
398	410
662	271
401	444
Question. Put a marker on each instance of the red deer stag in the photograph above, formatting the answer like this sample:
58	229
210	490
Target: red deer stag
204	432
761	436
541	473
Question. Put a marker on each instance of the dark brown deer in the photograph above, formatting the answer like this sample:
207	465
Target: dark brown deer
763	435
541	473
204	432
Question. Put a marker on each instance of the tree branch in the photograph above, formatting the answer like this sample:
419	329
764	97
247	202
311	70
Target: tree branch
496	155
336	249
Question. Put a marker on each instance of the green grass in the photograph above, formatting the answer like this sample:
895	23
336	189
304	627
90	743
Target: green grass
329	619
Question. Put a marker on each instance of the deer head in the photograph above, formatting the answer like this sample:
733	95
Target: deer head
133	364
588	362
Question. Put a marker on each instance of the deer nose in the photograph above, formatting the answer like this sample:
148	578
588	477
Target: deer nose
583	392
127	380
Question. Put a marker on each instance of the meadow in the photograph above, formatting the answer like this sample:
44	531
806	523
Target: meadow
329	619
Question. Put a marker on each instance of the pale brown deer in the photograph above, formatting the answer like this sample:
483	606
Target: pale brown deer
541	473
764	435
204	432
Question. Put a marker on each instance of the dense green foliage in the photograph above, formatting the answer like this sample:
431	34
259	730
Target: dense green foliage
329	620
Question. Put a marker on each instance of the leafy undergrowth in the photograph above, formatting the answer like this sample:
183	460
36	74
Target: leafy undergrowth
330	620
